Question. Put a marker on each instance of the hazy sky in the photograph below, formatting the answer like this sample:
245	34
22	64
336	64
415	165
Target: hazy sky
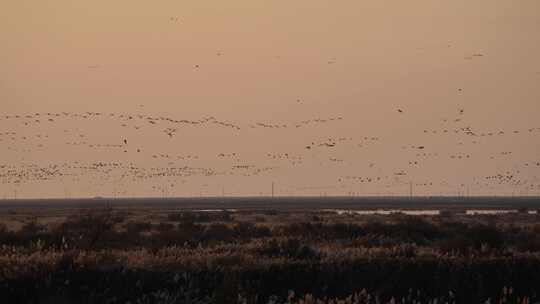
465	75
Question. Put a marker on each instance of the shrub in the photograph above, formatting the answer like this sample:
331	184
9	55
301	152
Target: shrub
289	248
164	227
138	227
246	230
88	230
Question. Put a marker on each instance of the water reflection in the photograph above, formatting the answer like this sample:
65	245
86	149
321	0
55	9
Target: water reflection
426	212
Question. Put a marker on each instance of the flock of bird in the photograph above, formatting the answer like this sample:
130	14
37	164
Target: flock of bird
139	121
178	169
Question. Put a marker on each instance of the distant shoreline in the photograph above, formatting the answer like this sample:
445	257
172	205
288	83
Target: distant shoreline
300	203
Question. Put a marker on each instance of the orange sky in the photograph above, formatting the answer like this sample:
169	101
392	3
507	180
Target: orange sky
272	62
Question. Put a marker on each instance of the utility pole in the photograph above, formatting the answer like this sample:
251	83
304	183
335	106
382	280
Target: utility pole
222	194
272	189
411	190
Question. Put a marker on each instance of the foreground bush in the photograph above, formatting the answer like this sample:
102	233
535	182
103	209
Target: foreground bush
223	275
96	257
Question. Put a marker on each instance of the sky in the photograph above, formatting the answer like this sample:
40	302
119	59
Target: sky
204	98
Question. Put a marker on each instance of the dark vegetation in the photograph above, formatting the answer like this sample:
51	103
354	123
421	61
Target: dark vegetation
113	256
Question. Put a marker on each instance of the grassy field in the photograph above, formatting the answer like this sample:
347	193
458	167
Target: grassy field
263	250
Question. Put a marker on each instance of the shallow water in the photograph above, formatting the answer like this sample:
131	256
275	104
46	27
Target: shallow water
489	212
203	210
384	212
423	212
